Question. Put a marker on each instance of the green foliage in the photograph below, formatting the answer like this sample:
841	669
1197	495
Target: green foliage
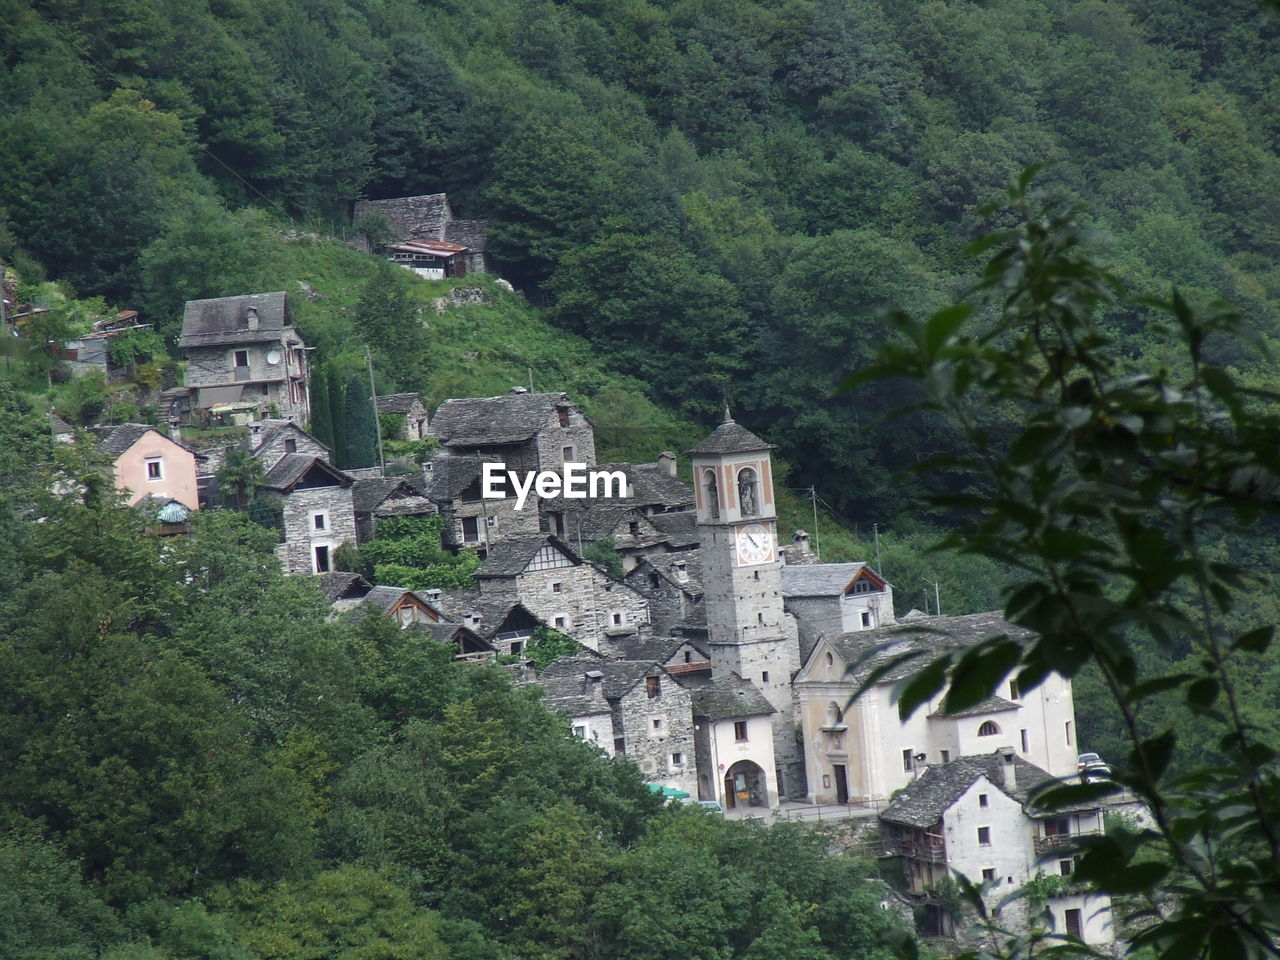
361	446
1107	499
386	318
241	475
546	645
602	553
407	553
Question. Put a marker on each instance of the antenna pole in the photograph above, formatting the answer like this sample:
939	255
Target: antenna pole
937	598
817	541
875	530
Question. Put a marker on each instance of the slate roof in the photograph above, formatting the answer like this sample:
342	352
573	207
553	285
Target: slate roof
724	697
486	421
384	598
730	437
990	705
818	579
928	634
922	803
680	527
508	558
292	467
651	485
635	647
207	323
666	564
410	217
271	429
116	440
338	585
450	475
619	675
367	495
573	695
398	402
447	633
459	603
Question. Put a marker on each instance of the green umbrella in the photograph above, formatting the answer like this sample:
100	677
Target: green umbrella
668	791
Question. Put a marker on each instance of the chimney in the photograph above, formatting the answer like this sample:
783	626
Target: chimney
667	462
801	539
595	676
1008	773
251	318
682	574
920	763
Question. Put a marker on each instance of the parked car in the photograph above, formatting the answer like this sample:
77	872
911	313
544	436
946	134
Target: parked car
1090	766
712	805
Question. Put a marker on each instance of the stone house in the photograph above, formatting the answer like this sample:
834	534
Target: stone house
244	357
269	440
733	734
405	607
146	463
526	431
578	696
317	511
424	235
971	816
453	484
505	624
409	406
828	599
799	551
672	583
343	590
92	352
655	515
575	597
651	713
380	498
862	752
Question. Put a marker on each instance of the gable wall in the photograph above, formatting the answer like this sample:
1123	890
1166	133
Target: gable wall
651	750
178	469
296	553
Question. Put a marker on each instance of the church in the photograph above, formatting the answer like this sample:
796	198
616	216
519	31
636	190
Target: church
772	671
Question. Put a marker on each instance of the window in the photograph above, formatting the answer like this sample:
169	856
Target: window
1069	744
559	623
265	389
688	657
946	756
322	559
988	729
1025	742
748	495
677	759
291	445
1013	690
982	800
657	724
470	529
866	618
764	676
562	413
319	521
617	619
517	647
155	468
241	358
830	659
653	687
984	836
906	760
988	873
740	731
633	528
1066	867
557	588
580	731
568	454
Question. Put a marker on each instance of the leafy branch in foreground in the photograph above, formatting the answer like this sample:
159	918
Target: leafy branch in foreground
1105	498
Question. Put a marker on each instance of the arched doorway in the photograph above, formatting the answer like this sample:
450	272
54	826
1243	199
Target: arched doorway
745	786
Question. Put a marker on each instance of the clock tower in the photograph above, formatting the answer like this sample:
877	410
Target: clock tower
741	577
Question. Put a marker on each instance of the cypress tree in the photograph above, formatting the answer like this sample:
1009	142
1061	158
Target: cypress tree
321	415
362	441
337	418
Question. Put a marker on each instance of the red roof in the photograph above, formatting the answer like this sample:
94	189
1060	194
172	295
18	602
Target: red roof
434	248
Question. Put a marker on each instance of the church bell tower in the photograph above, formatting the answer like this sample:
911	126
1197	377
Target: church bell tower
742	581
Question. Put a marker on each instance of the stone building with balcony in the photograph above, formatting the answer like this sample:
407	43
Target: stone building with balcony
244	358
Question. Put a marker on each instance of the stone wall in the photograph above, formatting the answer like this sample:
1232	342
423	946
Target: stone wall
297	552
579	601
553	438
274	448
499	517
652	748
668	604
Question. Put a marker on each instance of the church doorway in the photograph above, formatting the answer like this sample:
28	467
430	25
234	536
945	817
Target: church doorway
841	777
745	786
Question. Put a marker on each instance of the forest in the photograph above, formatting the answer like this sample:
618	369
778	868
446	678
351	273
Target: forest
699	201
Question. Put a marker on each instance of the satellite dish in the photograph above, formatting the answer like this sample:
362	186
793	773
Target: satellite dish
273	356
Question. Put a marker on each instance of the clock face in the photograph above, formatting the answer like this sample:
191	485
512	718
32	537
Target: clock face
755	545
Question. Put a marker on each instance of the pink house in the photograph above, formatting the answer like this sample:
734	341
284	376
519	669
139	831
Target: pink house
147	463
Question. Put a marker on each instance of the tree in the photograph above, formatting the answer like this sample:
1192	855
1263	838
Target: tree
242	474
387	319
362	431
1106	497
